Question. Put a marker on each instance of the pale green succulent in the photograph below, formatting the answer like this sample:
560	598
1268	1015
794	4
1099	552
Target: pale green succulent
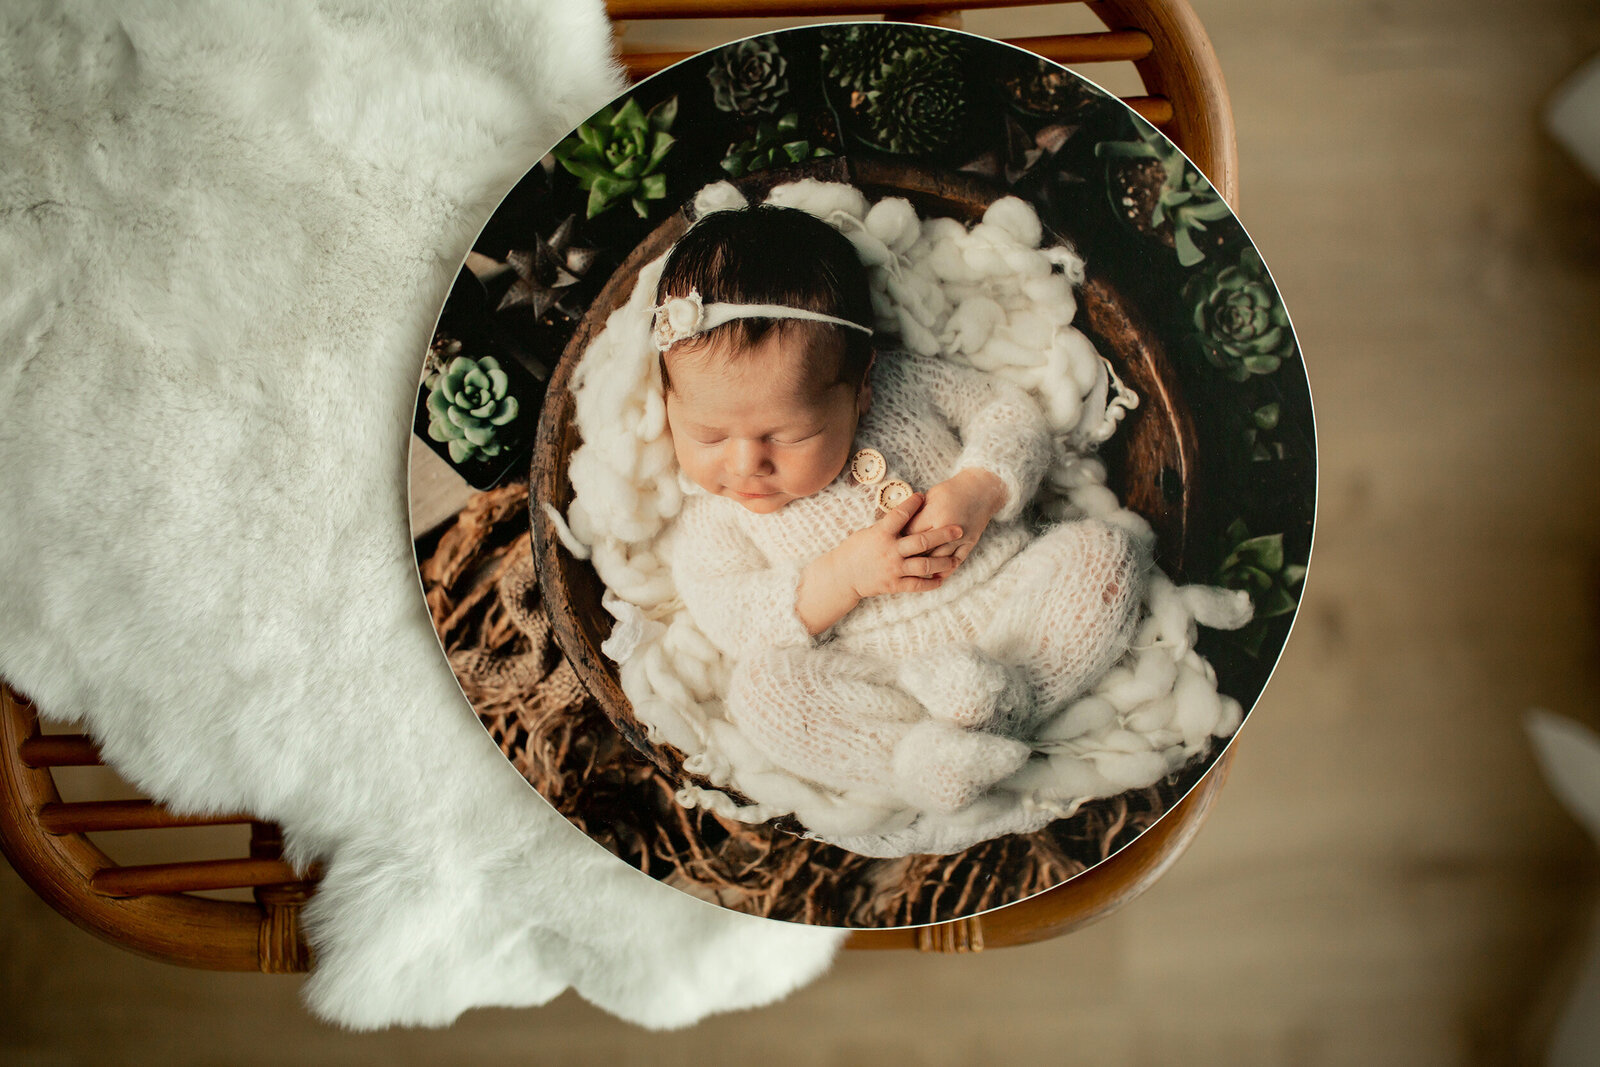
1259	426
1257	566
468	402
1239	321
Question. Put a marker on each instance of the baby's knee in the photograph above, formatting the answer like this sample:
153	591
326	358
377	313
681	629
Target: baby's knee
1126	561
1112	562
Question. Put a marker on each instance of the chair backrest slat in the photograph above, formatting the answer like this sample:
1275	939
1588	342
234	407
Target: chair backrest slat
91	816
59	750
193	877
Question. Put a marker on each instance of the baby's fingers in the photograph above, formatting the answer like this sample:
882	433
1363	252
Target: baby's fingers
927	566
894	520
918	543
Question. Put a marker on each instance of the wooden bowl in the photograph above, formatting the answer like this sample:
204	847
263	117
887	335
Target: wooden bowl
1156	450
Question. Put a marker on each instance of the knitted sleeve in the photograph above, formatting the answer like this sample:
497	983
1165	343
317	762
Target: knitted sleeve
738	598
1002	429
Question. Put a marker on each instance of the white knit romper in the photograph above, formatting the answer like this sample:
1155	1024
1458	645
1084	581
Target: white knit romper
922	698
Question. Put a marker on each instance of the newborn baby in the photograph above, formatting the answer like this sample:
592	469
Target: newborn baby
851	536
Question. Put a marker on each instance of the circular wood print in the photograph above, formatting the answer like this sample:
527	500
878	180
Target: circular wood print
1219	457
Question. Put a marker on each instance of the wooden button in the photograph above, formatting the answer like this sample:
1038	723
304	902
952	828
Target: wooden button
892	494
867	467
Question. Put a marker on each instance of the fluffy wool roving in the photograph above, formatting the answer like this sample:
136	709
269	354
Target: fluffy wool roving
991	299
225	230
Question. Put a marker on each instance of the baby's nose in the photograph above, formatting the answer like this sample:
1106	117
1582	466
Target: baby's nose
749	457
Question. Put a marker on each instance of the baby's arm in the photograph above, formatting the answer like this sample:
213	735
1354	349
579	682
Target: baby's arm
1006	448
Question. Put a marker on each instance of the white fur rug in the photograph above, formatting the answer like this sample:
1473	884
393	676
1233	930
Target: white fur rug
224	232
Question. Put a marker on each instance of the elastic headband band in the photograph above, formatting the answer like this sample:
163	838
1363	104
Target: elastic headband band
680	317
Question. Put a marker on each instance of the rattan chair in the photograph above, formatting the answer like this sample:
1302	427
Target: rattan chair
153	909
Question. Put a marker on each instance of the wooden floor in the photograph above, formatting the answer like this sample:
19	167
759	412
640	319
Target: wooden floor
1384	879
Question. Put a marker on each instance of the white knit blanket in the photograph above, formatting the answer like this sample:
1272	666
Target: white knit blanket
993	299
225	231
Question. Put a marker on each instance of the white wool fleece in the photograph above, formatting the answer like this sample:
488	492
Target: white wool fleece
225	230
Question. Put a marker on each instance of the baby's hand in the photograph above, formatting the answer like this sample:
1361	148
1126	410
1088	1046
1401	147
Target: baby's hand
968	499
884	558
879	559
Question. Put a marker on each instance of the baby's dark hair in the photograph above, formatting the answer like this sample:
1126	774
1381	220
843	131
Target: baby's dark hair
774	255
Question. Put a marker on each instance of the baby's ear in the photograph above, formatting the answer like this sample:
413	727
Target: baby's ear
864	392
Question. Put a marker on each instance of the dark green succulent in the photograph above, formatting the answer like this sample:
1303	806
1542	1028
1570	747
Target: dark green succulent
1239	321
747	77
917	103
617	155
774	143
1182	205
468	402
1256	565
854	55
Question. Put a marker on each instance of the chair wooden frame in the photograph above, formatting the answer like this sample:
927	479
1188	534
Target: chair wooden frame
152	909
146	909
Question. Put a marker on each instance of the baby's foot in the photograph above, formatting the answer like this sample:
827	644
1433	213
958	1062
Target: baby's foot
958	684
939	767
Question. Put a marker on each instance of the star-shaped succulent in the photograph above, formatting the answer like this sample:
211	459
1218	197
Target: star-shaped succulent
1020	152
553	264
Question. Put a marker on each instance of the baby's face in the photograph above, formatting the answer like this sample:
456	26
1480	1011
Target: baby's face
753	429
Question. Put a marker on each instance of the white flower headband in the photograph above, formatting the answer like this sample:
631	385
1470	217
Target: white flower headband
679	317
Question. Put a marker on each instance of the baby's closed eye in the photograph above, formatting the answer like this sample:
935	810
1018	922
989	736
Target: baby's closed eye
792	439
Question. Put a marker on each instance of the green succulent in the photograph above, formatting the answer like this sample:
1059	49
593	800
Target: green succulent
1239	321
616	155
747	77
467	405
1256	565
853	56
1185	201
1259	425
916	103
773	144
